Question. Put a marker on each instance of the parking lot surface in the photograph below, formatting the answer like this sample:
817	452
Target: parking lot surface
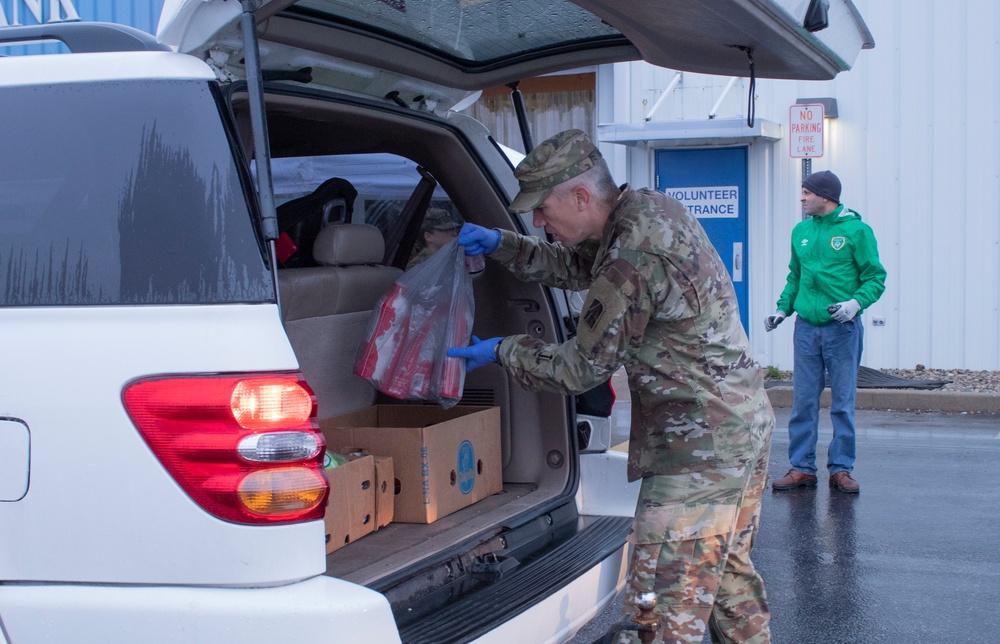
915	557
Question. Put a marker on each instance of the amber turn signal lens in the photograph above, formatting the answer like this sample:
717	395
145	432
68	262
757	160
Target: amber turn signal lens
285	490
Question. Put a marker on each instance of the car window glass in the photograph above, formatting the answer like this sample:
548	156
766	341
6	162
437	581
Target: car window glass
123	193
382	184
469	30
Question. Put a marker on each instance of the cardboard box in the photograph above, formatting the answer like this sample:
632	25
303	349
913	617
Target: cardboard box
385	491
350	513
444	459
384	483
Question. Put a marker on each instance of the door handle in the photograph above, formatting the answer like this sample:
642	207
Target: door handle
737	261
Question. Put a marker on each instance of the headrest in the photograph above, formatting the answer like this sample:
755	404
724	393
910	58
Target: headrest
348	244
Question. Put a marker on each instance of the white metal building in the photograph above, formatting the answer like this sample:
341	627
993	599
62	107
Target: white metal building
916	142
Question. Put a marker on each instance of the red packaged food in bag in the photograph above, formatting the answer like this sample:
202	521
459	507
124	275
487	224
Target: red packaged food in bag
429	309
386	330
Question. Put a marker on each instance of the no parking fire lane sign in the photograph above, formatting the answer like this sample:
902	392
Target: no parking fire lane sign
805	126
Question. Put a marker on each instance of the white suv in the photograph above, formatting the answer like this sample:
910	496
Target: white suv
160	464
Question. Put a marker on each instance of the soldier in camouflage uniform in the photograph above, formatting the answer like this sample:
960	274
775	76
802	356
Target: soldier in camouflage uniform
660	302
439	228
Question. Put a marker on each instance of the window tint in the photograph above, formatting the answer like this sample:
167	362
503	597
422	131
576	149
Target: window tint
123	193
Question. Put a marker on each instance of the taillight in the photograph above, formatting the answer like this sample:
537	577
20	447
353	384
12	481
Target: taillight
265	404
245	447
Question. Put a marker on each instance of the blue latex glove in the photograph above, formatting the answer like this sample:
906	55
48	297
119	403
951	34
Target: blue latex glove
478	240
479	353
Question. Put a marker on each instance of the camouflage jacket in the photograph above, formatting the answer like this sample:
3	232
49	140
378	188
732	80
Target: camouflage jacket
419	257
660	302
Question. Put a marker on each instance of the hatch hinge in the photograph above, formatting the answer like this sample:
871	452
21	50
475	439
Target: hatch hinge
218	59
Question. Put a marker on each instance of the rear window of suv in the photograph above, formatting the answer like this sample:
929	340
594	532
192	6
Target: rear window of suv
468	30
123	192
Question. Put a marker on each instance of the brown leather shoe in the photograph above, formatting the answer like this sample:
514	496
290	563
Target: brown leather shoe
842	481
794	479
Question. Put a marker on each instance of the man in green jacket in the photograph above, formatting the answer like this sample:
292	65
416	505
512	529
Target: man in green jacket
834	274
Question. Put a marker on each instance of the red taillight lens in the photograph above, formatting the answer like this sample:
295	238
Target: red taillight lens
245	447
263	404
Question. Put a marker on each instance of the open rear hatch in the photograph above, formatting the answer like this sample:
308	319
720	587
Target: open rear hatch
378	46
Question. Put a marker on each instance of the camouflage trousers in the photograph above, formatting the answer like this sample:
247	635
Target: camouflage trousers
693	534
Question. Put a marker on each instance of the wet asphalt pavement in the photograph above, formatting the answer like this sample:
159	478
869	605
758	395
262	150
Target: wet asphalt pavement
915	557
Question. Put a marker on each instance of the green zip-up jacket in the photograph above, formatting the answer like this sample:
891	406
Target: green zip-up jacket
834	259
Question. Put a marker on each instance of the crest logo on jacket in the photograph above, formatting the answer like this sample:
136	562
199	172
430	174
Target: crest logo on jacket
837	242
805	242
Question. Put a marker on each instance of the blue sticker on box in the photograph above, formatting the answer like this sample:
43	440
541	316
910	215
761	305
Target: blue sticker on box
466	467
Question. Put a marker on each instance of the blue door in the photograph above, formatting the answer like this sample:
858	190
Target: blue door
712	184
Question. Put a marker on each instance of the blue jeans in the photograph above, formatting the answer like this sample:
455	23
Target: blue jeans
834	348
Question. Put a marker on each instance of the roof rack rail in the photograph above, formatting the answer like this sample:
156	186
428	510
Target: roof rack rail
84	37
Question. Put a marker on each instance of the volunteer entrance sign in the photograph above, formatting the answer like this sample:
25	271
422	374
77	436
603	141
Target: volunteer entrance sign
805	126
709	201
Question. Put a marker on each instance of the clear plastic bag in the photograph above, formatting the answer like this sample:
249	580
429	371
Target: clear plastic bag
428	310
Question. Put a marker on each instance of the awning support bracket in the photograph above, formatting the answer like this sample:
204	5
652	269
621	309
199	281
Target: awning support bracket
718	103
663	95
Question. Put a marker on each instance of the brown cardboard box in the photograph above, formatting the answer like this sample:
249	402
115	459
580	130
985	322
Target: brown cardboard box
350	514
444	459
385	491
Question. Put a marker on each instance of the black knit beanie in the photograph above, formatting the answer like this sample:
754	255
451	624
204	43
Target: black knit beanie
825	184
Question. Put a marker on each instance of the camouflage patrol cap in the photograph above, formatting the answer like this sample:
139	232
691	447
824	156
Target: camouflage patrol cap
555	160
439	219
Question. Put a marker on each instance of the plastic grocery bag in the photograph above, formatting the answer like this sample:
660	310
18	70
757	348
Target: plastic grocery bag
428	310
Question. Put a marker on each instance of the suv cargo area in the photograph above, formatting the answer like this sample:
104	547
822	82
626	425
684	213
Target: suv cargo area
384	166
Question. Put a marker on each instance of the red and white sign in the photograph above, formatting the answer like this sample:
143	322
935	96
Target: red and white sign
805	127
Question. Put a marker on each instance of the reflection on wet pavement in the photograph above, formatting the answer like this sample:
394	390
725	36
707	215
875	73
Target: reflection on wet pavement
915	557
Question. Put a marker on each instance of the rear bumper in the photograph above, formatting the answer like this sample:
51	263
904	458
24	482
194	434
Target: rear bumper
321	609
558	617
